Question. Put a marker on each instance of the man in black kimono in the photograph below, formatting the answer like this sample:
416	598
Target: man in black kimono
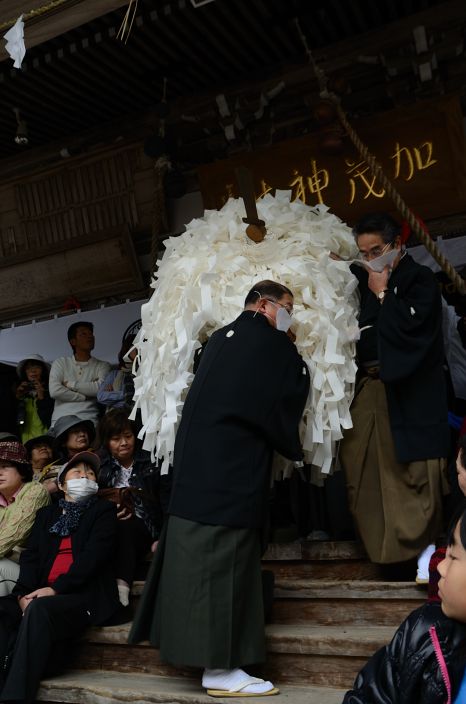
394	456
246	401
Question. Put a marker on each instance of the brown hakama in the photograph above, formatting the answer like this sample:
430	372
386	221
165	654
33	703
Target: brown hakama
397	507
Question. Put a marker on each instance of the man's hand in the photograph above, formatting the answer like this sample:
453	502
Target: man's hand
336	257
378	281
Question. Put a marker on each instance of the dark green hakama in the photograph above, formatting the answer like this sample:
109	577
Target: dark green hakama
202	604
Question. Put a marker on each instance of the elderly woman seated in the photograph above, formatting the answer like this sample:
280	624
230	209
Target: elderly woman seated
130	477
40	452
70	434
66	581
20	499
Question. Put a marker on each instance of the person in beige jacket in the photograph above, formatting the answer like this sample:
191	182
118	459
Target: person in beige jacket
20	499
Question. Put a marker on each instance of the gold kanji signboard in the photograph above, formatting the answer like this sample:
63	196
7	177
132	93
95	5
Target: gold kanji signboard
421	148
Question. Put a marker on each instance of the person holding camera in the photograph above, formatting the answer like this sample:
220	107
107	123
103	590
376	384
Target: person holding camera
34	405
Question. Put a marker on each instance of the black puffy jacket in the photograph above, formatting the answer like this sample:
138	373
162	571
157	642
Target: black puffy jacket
408	671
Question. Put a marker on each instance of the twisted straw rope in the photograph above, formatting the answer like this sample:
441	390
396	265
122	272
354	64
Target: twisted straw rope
379	174
400	204
34	13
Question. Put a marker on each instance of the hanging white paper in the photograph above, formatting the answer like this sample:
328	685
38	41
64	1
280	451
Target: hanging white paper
15	42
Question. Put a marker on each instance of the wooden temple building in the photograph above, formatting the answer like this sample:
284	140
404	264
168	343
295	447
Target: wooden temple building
128	119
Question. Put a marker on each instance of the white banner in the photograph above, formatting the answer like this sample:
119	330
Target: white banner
49	337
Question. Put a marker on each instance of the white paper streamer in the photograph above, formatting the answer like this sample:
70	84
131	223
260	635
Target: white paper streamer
201	284
15	42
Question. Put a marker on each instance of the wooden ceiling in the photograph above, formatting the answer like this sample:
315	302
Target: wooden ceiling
85	81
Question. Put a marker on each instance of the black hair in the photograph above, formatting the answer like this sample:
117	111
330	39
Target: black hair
115	422
459	516
24	470
378	224
266	289
74	326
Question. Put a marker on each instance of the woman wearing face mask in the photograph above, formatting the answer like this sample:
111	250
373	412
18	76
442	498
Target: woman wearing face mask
66	581
117	389
394	456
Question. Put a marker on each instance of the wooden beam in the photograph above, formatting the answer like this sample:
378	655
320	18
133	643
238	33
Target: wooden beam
50	25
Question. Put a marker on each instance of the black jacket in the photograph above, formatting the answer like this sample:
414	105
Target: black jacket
407	671
406	339
246	401
151	501
92	546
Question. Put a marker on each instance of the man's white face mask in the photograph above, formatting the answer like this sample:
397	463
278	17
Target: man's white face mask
283	319
386	259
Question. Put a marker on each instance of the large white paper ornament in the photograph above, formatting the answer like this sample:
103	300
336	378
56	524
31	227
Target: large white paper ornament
200	285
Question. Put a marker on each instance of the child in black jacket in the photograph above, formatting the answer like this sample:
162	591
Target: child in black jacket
426	660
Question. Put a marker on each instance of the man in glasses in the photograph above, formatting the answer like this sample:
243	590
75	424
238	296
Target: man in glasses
246	401
394	456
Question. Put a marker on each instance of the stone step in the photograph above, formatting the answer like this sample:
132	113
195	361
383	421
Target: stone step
345	603
297	654
106	687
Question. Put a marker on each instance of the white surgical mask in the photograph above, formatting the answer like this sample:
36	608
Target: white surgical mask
79	489
283	320
386	259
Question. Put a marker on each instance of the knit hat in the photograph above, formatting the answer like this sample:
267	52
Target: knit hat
86	456
13	451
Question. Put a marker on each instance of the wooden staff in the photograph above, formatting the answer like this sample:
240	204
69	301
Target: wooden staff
256	229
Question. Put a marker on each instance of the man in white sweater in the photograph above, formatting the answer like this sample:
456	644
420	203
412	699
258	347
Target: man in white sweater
74	381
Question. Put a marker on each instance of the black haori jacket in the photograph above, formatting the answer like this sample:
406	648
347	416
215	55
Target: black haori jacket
406	338
425	660
246	401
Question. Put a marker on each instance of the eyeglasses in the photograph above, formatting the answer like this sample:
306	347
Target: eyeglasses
374	252
288	308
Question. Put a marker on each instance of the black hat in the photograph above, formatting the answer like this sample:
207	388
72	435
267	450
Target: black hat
66	423
39	440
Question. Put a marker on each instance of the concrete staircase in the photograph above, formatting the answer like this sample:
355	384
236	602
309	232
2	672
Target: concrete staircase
331	612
